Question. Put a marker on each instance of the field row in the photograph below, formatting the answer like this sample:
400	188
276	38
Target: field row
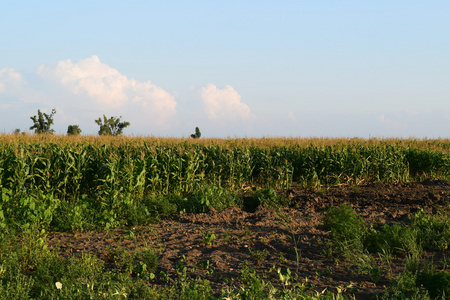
137	167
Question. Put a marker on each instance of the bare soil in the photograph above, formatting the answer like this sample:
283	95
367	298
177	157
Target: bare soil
262	238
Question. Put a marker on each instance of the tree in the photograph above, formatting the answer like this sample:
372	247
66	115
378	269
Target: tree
73	130
197	133
111	126
43	122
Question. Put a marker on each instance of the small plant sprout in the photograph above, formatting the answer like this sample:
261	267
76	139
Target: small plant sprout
209	238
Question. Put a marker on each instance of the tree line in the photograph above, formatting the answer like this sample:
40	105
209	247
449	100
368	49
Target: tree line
42	123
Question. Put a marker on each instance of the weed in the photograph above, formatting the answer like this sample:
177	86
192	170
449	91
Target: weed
281	257
347	230
140	262
258	256
212	197
433	231
247	232
207	266
129	235
164	277
247	274
269	197
386	259
226	236
208	238
288	223
396	239
436	283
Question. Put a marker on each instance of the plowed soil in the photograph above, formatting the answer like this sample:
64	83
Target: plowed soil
264	237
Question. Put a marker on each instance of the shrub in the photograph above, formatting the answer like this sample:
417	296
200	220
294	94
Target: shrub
348	229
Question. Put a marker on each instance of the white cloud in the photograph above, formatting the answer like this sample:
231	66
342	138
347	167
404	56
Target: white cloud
10	80
224	104
102	86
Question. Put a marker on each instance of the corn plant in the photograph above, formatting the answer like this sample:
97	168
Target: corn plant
107	170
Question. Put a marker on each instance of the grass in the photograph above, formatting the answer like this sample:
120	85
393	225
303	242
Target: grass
419	281
32	271
29	270
352	239
288	223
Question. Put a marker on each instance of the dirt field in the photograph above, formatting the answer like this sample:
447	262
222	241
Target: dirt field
264	239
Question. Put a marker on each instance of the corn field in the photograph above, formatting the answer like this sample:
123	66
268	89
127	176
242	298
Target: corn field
40	175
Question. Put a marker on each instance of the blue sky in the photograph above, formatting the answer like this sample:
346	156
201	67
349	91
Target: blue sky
233	68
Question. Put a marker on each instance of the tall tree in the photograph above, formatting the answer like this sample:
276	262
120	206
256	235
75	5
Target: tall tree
111	126
197	133
73	130
42	122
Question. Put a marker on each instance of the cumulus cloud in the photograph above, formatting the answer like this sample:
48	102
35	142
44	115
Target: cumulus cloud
103	86
224	104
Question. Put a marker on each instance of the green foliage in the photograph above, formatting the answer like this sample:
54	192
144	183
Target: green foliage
209	238
75	216
351	238
270	197
162	207
197	133
211	197
427	164
419	281
348	229
27	211
140	262
434	231
69	170
30	271
396	239
425	231
111	126
42	122
436	283
73	130
138	181
258	256
72	185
